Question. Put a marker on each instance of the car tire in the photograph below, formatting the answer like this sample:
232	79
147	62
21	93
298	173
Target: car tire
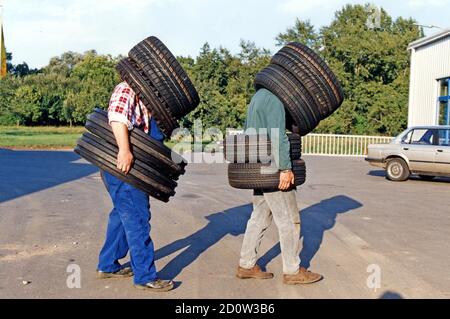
131	73
262	176
112	150
167	75
104	154
144	148
298	102
308	66
314	83
397	170
244	149
129	178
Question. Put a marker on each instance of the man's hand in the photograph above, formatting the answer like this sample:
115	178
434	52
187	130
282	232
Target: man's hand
124	160
125	157
286	180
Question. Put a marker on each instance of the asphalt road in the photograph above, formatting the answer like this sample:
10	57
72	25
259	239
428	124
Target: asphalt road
53	213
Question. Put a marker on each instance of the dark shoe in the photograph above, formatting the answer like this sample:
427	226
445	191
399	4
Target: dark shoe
254	273
122	273
303	276
158	285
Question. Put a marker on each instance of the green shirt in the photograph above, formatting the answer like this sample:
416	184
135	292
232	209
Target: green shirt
267	111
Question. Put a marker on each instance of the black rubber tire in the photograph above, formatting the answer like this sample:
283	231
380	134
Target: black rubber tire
131	73
297	101
129	178
306	58
167	75
111	157
316	85
242	149
140	166
397	170
140	150
147	149
138	153
249	176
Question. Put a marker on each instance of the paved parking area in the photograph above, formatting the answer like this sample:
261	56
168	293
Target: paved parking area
53	213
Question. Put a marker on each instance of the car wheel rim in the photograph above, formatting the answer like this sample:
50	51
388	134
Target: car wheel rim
396	170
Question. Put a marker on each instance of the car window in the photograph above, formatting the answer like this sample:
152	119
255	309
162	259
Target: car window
444	137
407	138
422	137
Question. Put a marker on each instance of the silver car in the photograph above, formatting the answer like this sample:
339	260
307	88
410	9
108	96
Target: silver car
421	150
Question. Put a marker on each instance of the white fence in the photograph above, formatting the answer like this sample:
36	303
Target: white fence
343	145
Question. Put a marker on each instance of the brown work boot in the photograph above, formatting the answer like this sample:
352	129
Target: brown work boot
157	285
255	273
303	276
121	273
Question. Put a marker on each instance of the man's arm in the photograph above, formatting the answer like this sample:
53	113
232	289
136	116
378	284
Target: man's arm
120	106
286	175
280	144
124	157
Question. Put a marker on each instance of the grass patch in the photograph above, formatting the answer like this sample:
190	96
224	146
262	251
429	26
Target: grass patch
39	137
51	137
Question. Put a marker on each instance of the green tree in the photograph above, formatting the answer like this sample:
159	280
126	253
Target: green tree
369	63
63	64
225	84
303	32
8	87
91	83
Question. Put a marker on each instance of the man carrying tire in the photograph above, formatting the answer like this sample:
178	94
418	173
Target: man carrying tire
128	226
266	111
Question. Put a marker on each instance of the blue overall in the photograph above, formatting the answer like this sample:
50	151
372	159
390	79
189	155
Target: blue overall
129	228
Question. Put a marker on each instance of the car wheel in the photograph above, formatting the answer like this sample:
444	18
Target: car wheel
427	177
397	170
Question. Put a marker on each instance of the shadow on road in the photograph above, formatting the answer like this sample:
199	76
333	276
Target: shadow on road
26	172
316	219
231	221
377	173
390	295
440	179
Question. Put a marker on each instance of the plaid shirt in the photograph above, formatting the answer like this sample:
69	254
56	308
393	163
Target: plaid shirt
125	107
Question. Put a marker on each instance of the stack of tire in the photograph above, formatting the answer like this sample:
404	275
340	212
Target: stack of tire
310	93
164	88
252	162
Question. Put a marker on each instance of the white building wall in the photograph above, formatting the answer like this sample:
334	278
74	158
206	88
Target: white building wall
429	63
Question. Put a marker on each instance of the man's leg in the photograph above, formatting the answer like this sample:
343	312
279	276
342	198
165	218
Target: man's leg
115	246
133	207
287	218
257	225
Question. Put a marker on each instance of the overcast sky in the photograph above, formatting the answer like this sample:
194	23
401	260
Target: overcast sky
36	30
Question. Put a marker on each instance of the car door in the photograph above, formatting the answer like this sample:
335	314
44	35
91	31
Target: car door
442	156
421	150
